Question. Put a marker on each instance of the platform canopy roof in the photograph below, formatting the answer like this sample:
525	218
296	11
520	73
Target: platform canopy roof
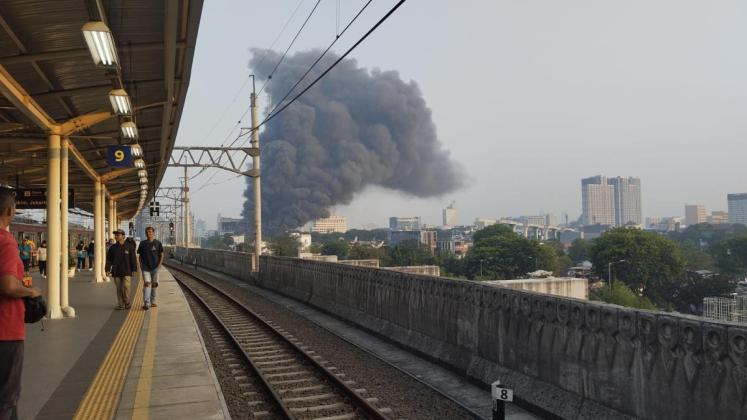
49	82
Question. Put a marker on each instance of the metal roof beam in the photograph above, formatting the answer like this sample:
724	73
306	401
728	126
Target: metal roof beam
84	121
18	96
171	16
88	90
81	52
116	174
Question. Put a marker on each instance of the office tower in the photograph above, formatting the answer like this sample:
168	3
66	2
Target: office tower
718	218
330	224
450	215
597	201
737	208
694	214
404	223
627	199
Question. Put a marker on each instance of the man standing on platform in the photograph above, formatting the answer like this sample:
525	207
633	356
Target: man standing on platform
122	265
12	310
151	258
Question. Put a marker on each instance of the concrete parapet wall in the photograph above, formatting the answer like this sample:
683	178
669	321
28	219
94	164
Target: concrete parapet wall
575	358
236	264
563	286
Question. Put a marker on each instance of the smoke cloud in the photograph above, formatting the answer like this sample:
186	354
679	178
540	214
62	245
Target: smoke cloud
352	129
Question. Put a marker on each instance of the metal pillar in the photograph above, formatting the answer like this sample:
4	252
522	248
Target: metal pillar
257	192
185	209
53	228
67	310
112	220
98	229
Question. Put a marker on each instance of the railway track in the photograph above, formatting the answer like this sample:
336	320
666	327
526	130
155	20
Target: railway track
278	376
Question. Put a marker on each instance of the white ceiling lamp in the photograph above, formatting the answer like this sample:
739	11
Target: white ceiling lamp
129	131
101	44
143	180
139	163
142	173
120	102
143	187
136	150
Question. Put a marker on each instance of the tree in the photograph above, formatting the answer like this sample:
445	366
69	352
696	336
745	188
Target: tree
364	252
731	256
579	250
285	246
498	253
651	261
695	259
218	242
688	292
338	247
621	295
408	253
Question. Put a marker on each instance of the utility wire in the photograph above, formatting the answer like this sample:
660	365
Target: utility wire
293	41
274	113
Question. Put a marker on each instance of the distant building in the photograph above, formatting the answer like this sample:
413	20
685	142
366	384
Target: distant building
718	218
303	238
627	193
200	228
229	225
451	215
483	223
568	236
404	223
330	224
597	201
653	222
533	220
551	220
429	238
738	208
398	236
613	202
695	214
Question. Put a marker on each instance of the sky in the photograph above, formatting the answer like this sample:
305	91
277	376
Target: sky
528	96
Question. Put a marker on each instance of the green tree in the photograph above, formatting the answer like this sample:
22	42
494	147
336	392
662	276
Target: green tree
364	252
408	253
338	247
731	256
579	250
499	253
695	259
547	258
218	242
688	292
621	295
285	246
651	261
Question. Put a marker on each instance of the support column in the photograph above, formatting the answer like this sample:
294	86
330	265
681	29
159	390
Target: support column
104	236
97	233
186	219
53	228
67	310
112	220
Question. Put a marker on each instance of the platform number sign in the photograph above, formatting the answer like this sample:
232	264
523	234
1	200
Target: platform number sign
502	394
119	156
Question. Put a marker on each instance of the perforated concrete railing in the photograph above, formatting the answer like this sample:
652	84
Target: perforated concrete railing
572	357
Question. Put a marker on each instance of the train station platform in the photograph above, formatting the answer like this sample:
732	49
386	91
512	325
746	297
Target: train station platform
108	363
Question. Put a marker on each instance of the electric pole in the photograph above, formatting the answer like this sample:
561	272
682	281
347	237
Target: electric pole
257	192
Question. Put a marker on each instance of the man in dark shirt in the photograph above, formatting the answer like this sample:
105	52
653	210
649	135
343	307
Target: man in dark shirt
151	257
122	265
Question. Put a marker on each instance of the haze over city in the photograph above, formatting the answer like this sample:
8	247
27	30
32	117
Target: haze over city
528	97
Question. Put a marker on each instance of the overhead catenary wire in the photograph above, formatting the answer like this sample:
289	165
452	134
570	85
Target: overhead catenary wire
273	113
293	41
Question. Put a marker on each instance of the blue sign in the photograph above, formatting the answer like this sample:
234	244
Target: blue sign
119	156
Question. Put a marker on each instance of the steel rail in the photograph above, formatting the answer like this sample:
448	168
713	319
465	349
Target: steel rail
359	401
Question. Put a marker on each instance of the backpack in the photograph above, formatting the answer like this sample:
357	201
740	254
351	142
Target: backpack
36	309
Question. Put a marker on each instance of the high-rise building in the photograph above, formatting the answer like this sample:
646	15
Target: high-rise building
612	202
597	201
404	223
330	224
738	208
627	193
694	214
718	218
451	215
483	223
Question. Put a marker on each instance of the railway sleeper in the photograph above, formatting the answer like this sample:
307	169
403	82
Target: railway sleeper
275	362
315	397
317	408
301	389
281	368
293	381
285	374
346	416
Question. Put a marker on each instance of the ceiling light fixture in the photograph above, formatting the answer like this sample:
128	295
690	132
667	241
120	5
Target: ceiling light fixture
101	44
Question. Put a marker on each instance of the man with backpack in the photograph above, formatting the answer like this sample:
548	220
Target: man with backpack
151	257
122	265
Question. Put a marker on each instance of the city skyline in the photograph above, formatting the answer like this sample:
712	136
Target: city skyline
577	105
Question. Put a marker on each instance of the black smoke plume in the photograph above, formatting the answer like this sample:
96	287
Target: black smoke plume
354	128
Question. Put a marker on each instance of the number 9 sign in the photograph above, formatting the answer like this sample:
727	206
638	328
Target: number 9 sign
119	156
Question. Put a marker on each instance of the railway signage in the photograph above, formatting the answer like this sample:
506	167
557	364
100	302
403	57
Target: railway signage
501	396
119	156
36	198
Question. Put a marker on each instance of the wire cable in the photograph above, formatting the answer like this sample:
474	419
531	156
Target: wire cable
274	113
293	41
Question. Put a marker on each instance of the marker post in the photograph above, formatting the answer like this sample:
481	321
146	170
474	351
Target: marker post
500	397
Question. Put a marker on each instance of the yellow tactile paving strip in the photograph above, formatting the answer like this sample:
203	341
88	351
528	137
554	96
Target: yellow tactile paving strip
102	396
145	380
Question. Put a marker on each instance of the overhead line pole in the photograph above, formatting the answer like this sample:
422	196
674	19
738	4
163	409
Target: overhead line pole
257	192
